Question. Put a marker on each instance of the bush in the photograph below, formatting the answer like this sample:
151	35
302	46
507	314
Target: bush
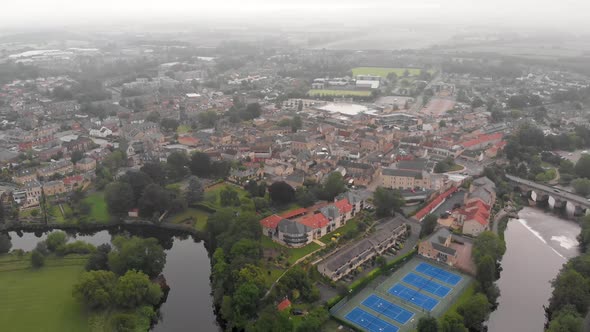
37	259
56	240
78	247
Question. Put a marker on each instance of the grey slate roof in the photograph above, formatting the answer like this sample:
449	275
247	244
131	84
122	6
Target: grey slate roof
292	228
402	173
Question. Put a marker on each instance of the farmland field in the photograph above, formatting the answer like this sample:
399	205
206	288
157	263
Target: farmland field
337	93
384	71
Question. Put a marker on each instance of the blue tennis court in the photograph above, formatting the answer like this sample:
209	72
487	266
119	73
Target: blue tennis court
437	273
413	296
388	309
426	284
370	322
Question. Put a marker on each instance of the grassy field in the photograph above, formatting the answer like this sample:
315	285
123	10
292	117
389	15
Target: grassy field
212	193
198	216
338	93
183	129
384	71
99	211
41	300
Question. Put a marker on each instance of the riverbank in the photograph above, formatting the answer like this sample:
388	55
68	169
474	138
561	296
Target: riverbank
187	272
537	246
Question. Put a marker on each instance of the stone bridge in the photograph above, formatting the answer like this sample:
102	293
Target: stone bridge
556	198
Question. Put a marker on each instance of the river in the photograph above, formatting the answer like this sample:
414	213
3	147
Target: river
189	305
537	245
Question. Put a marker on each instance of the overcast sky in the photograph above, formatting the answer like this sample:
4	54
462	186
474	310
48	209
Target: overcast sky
565	14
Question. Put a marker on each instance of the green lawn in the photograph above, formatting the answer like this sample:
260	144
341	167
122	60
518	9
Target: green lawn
183	129
336	93
56	212
293	254
212	193
384	71
41	300
350	225
296	253
468	292
99	211
198	216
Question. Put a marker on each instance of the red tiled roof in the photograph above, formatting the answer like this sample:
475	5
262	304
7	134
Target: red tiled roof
294	213
477	216
434	203
482	139
284	305
343	205
314	221
73	179
271	221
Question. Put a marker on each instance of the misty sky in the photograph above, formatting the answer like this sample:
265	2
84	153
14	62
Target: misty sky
568	14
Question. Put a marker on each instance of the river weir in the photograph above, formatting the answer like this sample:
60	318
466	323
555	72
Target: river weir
537	245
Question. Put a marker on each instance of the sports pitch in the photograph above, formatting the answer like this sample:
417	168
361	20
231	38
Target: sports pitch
338	93
395	303
384	71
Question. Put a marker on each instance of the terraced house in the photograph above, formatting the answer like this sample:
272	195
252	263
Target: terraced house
355	254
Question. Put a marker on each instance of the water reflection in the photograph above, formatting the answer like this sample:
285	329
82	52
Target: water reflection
537	245
189	306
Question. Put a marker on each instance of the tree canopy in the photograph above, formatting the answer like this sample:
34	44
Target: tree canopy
136	253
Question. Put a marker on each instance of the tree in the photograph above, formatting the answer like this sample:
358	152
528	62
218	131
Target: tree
154	117
55	240
488	243
427	324
155	171
138	182
169	125
200	164
475	312
452	322
229	197
99	259
442	123
5	243
296	123
334	185
154	199
486	271
177	164
135	253
272	320
135	289
566	320
194	191
246	247
570	288
207	119
96	288
76	156
281	192
119	197
314	320
245	300
37	259
304	197
122	322
428	225
387	201
581	186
